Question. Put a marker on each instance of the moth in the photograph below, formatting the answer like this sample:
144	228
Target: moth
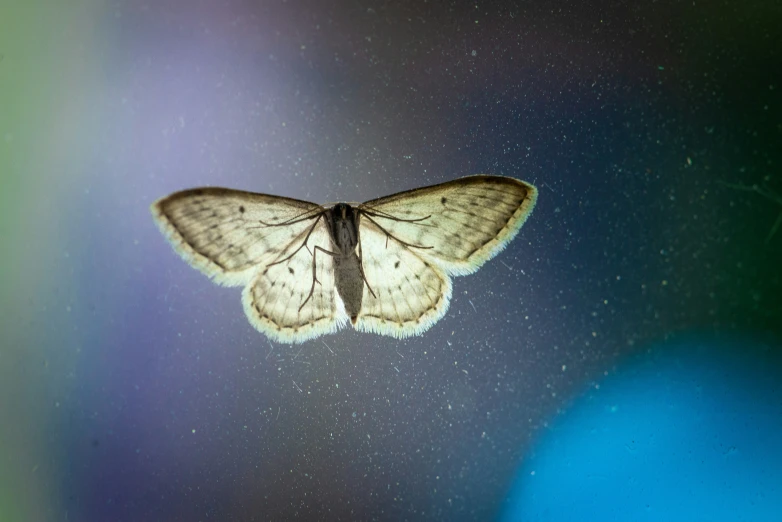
385	265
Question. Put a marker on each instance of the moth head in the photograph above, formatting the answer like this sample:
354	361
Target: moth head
343	211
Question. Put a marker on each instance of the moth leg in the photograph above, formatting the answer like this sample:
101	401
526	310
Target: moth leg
377	213
389	234
314	272
309	233
297	219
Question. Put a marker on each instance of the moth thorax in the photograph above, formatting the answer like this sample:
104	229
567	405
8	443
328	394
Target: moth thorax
346	235
345	227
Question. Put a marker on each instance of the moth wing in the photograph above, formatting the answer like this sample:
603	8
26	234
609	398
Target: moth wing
463	223
225	234
404	293
287	301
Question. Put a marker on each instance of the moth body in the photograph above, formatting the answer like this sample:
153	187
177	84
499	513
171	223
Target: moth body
343	224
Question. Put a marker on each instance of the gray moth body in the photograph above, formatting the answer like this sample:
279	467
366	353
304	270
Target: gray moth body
343	224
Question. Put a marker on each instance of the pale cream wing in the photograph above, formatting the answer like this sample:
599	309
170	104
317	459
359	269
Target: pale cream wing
463	223
404	293
289	302
226	234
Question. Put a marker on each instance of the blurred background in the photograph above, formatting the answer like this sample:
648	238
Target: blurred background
624	348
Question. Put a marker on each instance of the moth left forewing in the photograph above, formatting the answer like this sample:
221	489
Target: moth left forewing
285	303
221	232
404	293
465	222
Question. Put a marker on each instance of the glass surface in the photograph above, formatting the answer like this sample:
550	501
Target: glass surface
620	359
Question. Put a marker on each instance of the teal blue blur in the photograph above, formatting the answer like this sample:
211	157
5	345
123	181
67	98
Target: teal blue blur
688	431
